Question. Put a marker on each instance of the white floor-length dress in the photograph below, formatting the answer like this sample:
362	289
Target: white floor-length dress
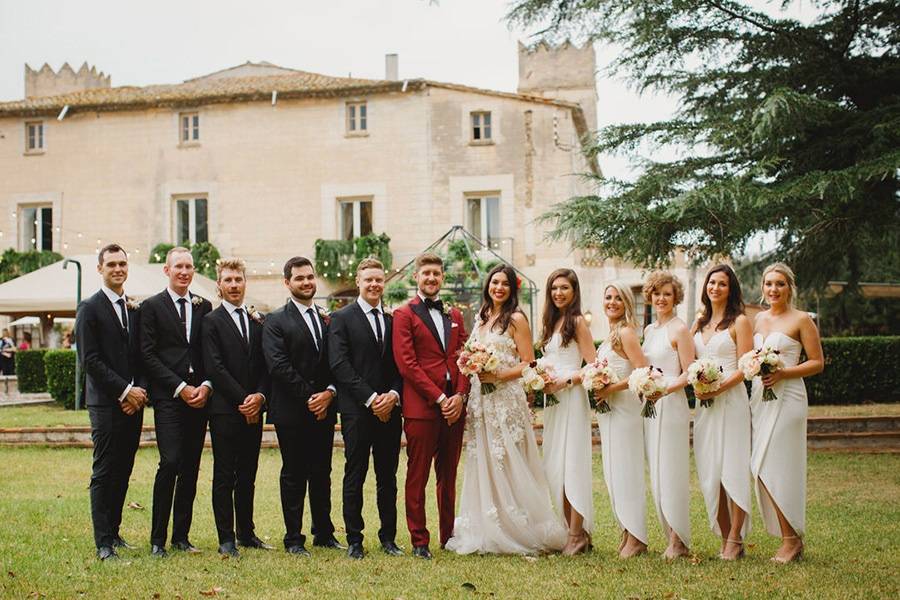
567	436
505	505
622	445
667	440
722	436
779	441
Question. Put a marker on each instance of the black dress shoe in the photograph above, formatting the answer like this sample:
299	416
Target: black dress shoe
229	549
106	553
118	542
422	552
299	550
391	549
329	543
355	551
158	551
185	546
254	542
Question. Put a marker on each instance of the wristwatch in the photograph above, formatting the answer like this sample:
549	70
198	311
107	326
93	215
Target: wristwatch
568	383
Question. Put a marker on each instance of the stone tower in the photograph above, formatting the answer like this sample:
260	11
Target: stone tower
45	82
565	72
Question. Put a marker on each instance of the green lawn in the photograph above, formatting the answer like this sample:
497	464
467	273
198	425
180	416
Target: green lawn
46	548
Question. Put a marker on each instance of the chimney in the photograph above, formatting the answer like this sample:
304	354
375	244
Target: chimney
391	67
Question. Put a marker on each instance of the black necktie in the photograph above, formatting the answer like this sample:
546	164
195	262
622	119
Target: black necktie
182	310
379	337
123	313
240	314
437	305
315	325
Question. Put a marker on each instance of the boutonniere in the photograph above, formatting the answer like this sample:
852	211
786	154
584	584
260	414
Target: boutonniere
131	303
255	314
196	300
386	312
324	314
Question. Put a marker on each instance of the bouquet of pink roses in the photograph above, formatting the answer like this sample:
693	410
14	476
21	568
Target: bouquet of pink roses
705	376
762	361
476	358
596	376
538	374
647	381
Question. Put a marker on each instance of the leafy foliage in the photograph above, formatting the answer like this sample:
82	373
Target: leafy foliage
13	263
857	370
205	255
336	260
782	127
59	367
30	374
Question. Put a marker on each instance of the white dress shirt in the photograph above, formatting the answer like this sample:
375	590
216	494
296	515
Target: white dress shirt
309	325
188	318
232	312
367	310
114	298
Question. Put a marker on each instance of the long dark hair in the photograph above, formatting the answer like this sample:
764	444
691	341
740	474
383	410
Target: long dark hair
569	314
509	307
734	307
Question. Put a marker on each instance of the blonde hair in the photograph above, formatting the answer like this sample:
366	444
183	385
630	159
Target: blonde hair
615	329
787	272
657	279
369	263
233	264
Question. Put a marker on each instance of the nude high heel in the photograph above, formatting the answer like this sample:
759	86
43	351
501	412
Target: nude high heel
740	554
797	556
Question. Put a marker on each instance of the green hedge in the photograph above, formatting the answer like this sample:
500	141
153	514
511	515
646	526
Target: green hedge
857	370
59	366
30	371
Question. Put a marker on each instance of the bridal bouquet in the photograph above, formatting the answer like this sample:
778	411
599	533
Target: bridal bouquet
705	376
762	361
477	357
538	374
647	381
596	376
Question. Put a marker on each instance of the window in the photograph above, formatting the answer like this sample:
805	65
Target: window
643	310
483	218
191	220
190	128
481	126
354	217
36	227
356	118
34	137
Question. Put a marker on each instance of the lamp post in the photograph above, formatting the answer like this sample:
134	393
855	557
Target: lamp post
77	302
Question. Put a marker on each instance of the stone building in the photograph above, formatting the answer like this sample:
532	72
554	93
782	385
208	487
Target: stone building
262	160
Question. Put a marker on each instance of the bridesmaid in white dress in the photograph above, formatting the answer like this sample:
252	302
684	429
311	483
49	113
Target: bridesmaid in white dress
505	505
567	342
722	431
622	429
668	345
778	459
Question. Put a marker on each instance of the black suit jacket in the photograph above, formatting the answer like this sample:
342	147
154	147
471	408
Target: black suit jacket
110	357
167	355
236	369
360	367
298	370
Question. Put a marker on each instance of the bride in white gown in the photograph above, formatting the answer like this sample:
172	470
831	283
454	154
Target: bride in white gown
778	458
505	505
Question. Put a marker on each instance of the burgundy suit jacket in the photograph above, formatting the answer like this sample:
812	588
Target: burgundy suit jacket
421	360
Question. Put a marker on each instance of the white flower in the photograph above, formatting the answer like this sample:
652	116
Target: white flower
196	300
255	314
132	304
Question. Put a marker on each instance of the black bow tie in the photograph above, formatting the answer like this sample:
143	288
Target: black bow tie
437	305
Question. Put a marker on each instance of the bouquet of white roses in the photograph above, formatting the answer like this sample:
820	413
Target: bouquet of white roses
476	358
596	376
537	375
705	376
645	382
762	361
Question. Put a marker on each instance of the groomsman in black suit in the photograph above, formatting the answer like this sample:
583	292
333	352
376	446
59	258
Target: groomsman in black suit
367	379
106	335
301	406
173	361
233	360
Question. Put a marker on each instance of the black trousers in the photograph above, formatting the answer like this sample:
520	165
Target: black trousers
365	434
235	445
180	433
116	437
306	461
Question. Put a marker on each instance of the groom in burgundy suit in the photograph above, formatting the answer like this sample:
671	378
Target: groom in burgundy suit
427	338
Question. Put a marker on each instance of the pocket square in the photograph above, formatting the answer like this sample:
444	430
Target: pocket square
452	325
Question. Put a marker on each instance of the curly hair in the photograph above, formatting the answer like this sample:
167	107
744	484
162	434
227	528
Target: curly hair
655	282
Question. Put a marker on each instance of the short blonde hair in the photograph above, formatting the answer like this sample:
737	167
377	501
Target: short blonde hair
787	272
233	264
657	279
178	250
369	263
429	258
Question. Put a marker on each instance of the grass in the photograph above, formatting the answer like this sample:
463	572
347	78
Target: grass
46	550
52	415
